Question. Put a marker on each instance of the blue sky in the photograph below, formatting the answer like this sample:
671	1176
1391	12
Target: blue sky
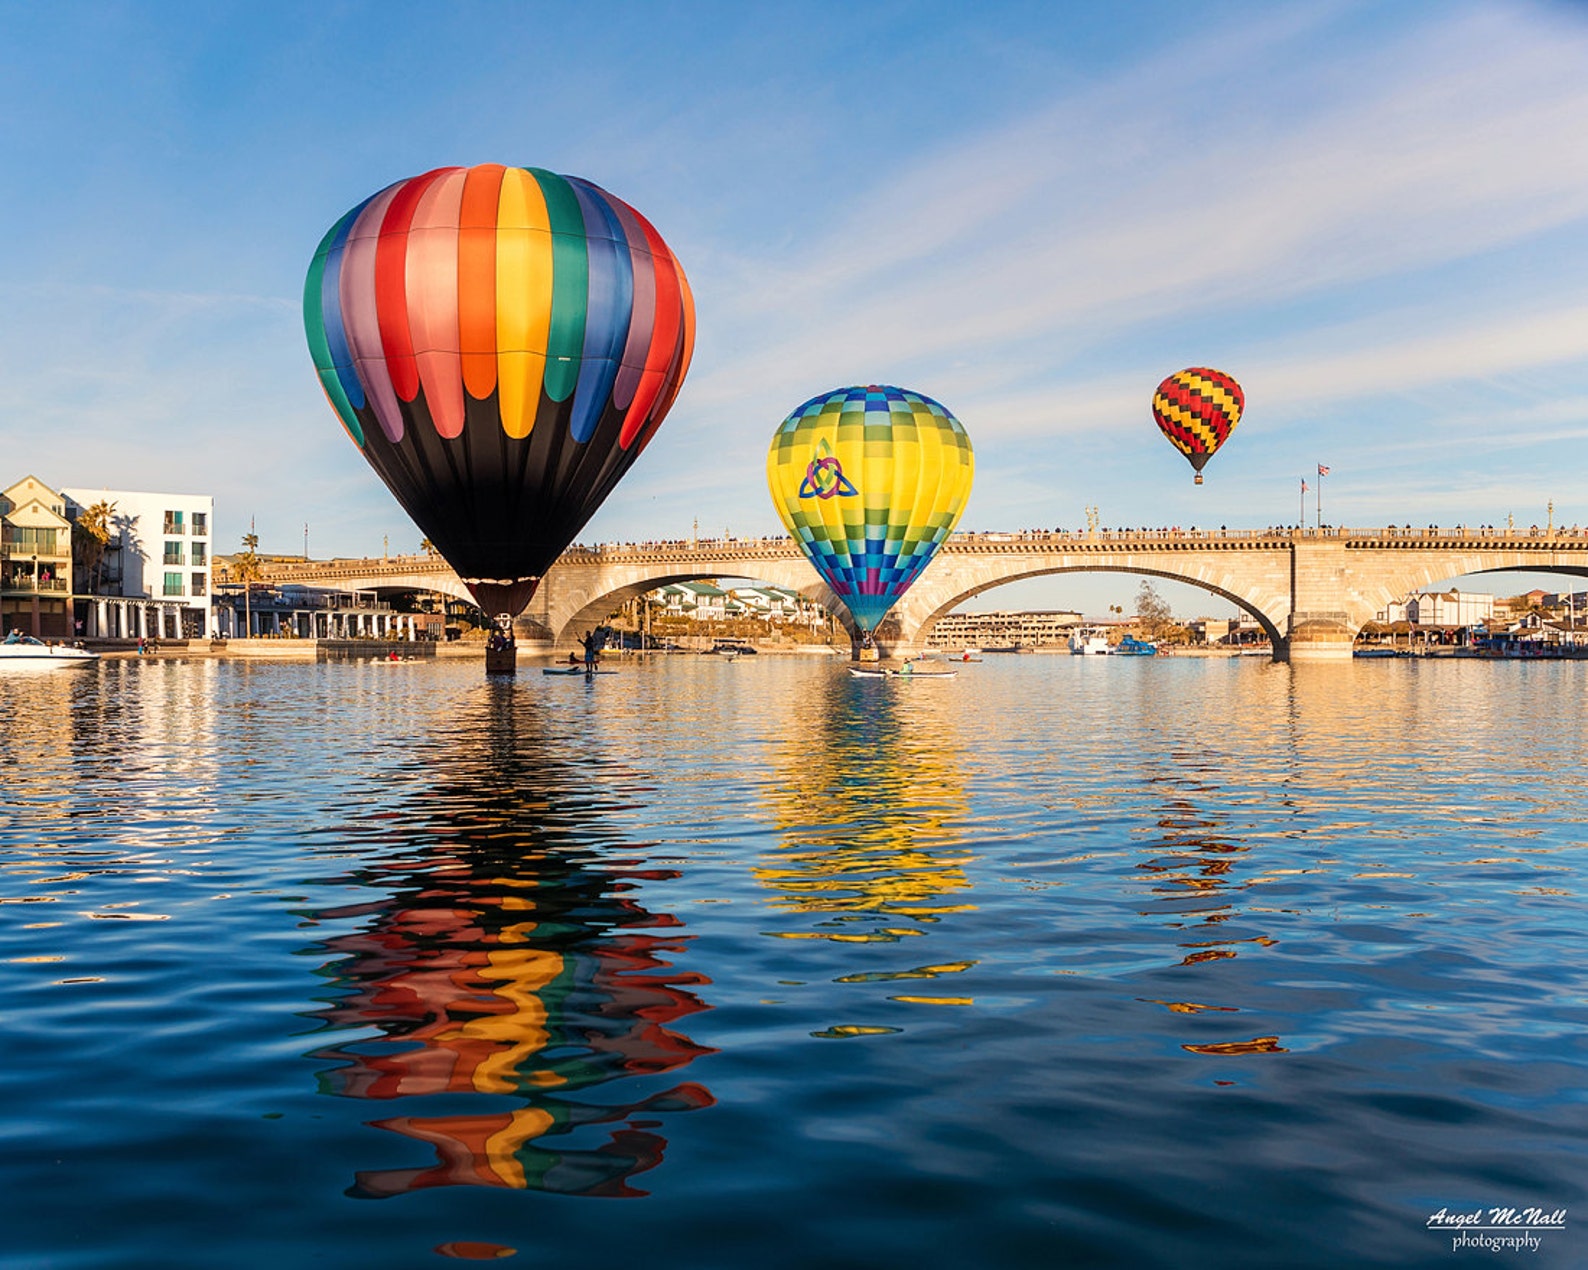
1373	215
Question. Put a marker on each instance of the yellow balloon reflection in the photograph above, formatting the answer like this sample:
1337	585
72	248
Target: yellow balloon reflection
866	807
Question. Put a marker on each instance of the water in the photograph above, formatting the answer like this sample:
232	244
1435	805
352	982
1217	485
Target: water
1066	961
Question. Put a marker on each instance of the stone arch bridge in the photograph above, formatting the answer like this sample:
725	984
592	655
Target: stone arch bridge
1311	590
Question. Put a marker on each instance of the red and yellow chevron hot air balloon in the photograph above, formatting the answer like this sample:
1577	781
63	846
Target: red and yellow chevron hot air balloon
1197	409
501	343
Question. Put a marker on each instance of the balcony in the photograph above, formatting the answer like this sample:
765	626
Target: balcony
27	584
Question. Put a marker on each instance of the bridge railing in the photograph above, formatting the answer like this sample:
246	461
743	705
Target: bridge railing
988	541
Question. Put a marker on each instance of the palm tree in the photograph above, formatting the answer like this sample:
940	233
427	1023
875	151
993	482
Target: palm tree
91	536
247	566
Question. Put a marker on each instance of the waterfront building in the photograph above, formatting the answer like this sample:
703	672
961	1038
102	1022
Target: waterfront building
290	611
1450	608
698	600
774	604
35	561
1038	629
154	581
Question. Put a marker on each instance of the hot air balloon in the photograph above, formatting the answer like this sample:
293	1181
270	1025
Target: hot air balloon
1197	409
870	481
501	343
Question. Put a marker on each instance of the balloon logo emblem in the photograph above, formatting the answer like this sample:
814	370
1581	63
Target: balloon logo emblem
825	477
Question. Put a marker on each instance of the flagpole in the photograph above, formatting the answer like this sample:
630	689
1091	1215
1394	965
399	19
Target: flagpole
1303	521
1320	495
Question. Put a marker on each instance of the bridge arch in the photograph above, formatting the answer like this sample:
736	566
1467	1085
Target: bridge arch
571	608
1247	604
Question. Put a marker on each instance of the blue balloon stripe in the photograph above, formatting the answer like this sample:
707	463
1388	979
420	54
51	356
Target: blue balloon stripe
331	309
609	309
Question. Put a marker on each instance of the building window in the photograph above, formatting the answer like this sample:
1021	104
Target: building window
23	538
173	523
198	553
201	523
173	584
198	584
173	553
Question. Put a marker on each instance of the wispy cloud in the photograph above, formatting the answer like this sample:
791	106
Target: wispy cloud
1115	213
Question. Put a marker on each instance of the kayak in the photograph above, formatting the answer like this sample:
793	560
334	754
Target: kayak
574	670
865	672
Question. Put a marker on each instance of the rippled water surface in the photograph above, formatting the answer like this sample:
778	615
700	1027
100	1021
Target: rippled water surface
1065	961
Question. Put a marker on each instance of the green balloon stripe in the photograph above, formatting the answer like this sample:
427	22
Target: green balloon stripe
570	284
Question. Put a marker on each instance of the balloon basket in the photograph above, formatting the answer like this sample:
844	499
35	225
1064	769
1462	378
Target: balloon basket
869	654
502	661
1199	478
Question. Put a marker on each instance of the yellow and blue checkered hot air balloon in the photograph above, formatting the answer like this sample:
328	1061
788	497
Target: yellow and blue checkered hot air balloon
870	481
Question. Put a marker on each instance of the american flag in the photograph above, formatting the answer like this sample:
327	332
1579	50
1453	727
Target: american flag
1303	484
1322	471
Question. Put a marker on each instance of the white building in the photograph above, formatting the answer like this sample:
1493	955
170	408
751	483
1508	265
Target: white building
1037	629
155	581
1450	608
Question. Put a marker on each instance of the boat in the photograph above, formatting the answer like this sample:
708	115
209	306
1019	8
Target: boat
888	672
731	648
574	670
1089	641
23	652
1130	646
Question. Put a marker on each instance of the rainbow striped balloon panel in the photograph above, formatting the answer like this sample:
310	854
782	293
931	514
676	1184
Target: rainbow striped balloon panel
501	343
870	480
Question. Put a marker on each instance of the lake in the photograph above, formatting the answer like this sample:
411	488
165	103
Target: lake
1065	961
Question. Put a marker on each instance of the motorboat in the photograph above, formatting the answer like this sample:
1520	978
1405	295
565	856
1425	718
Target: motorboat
1133	647
23	652
1089	641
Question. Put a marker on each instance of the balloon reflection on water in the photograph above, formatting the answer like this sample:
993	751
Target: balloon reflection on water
508	958
1193	875
867	812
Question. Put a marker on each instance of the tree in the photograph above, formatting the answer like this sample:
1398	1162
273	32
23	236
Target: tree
1154	614
91	537
248	572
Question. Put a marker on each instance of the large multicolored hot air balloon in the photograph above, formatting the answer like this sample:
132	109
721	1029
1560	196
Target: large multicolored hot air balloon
501	343
870	481
1197	409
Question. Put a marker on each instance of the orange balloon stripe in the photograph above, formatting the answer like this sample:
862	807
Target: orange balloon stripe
523	299
477	278
433	300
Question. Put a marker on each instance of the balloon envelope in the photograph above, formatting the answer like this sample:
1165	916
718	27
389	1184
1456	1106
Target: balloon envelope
870	481
501	343
1197	409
